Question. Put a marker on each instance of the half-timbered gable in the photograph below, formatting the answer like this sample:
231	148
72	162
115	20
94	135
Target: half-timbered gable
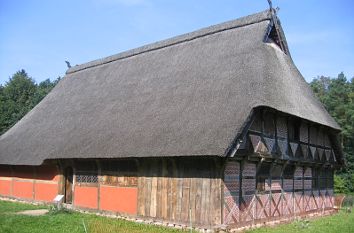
283	168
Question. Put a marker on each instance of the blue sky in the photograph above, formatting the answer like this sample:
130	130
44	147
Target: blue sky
39	36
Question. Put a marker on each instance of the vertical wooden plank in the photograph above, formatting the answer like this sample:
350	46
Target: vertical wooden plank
174	192
180	168
61	182
198	199
192	196
169	195
141	188
141	200
99	175
185	195
215	196
159	189
205	199
170	178
148	179
164	190
154	179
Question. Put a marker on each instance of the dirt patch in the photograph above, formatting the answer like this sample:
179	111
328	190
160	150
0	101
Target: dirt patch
34	212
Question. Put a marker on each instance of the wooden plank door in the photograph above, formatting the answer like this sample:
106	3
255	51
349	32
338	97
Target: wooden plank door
68	185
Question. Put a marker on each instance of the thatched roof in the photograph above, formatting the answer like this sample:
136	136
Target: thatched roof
185	96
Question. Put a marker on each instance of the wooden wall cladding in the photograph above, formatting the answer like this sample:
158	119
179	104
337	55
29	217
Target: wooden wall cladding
180	190
121	173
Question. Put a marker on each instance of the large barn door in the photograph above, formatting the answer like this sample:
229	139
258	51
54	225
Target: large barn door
68	185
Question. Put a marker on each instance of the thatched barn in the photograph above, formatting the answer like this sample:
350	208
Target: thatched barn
214	128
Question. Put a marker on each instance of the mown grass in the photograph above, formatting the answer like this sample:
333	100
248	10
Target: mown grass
72	222
341	223
66	221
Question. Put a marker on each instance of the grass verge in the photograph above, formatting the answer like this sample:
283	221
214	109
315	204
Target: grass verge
66	221
342	222
72	222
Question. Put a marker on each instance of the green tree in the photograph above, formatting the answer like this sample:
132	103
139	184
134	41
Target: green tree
18	96
43	89
337	95
340	185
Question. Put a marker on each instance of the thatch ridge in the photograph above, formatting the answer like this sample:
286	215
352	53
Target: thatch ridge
232	24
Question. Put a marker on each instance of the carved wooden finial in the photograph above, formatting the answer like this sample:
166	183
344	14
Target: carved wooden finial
270	5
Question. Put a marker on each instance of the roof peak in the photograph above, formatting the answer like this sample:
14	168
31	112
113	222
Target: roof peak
236	23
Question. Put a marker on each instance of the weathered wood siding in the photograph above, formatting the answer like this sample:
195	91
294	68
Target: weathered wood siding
181	190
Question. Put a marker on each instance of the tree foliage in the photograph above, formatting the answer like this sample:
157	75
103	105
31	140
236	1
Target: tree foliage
337	95
19	95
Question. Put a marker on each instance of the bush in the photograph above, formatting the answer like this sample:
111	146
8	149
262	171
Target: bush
340	185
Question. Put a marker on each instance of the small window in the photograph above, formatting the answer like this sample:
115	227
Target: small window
86	178
86	172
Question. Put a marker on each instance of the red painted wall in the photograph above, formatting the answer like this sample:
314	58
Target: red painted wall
45	191
28	182
86	197
23	189
119	199
5	187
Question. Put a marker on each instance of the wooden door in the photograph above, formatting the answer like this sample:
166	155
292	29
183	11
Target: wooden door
68	185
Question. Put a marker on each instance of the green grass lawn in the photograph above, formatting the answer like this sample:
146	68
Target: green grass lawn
65	221
339	223
72	222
